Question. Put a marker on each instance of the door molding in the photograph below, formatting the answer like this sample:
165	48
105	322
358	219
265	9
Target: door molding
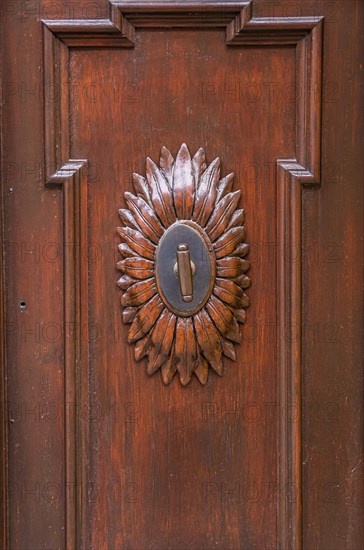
242	29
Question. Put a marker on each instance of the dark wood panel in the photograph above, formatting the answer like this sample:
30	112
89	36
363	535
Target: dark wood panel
332	368
178	457
34	384
307	112
164	467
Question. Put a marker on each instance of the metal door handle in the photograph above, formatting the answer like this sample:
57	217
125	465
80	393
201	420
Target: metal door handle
185	272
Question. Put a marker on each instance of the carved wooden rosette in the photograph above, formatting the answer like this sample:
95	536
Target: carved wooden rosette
183	196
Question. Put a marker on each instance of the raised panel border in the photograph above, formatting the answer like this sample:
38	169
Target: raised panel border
242	29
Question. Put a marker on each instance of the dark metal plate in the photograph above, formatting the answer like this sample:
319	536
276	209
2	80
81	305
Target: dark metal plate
202	255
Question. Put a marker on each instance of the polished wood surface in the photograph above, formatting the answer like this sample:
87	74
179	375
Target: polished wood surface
97	453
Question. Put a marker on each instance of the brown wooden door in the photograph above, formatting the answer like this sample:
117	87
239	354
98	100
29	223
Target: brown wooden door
219	441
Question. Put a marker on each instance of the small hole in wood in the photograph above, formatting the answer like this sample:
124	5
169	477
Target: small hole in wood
22	304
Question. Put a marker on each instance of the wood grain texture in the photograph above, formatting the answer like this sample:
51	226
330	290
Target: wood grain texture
333	443
168	447
141	210
4	481
131	383
231	267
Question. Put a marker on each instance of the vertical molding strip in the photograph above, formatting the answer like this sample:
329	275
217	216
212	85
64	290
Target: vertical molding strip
71	175
73	178
4	502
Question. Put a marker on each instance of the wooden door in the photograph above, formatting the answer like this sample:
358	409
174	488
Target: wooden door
218	440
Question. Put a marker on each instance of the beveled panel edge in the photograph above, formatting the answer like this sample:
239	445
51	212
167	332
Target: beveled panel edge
119	29
72	177
114	32
242	28
172	14
247	30
291	176
4	497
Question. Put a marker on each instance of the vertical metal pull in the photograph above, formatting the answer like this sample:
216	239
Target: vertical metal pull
185	272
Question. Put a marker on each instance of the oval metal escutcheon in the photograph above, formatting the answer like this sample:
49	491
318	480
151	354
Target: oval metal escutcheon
202	267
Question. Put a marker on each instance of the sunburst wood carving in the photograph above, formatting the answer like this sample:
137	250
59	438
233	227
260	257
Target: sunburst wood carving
183	200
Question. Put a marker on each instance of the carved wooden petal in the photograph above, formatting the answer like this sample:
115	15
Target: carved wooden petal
161	341
185	350
137	242
142	346
129	314
125	282
183	192
141	188
228	242
237	219
228	349
127	218
161	194
240	314
169	368
166	164
208	340
222	215
231	267
183	184
230	293
145	318
139	293
198	165
223	319
225	186
144	217
137	267
243	281
206	193
125	250
241	250
202	369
